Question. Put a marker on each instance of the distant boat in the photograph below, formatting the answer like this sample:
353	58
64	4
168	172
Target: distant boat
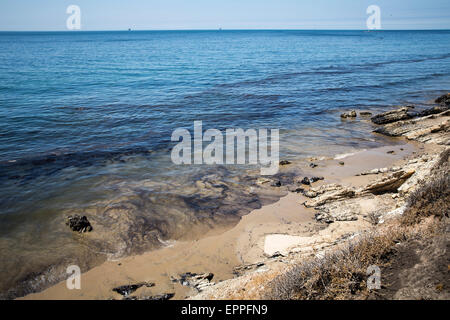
129	29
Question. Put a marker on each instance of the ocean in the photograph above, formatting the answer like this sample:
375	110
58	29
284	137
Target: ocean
86	120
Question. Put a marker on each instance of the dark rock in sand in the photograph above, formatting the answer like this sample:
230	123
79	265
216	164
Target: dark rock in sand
308	181
277	254
393	116
159	297
130	288
284	162
305	181
79	223
312	165
276	184
299	190
341	163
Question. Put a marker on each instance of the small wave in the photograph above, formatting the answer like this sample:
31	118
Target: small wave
346	155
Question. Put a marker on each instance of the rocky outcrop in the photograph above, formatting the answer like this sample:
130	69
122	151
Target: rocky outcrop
329	196
429	129
433	110
329	214
79	223
389	183
314	192
393	116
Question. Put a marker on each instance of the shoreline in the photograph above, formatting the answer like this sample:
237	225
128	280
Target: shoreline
256	242
224	250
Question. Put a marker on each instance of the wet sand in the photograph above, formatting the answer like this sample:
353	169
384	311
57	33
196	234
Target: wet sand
222	249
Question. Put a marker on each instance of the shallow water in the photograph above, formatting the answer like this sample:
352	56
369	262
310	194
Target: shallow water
86	120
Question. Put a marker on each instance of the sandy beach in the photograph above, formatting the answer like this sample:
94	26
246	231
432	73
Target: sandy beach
273	228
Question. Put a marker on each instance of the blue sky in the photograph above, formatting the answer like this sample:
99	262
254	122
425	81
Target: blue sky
227	14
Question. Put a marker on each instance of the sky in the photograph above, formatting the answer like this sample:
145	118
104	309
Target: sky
50	15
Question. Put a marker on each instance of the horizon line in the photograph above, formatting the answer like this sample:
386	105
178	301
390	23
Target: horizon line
224	29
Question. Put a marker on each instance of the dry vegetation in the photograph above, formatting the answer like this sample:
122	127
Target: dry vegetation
434	197
342	273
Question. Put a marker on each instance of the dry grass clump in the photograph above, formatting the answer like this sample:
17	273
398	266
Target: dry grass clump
340	274
433	198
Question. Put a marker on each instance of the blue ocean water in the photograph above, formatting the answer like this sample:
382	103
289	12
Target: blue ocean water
86	118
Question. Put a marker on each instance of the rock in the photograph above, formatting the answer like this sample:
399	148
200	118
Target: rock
284	162
379	170
330	196
308	181
79	223
312	165
197	281
276	184
338	212
276	254
393	116
351	114
341	163
159	297
365	113
299	190
388	184
130	288
444	99
433	110
305	181
391	152
429	129
314	192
